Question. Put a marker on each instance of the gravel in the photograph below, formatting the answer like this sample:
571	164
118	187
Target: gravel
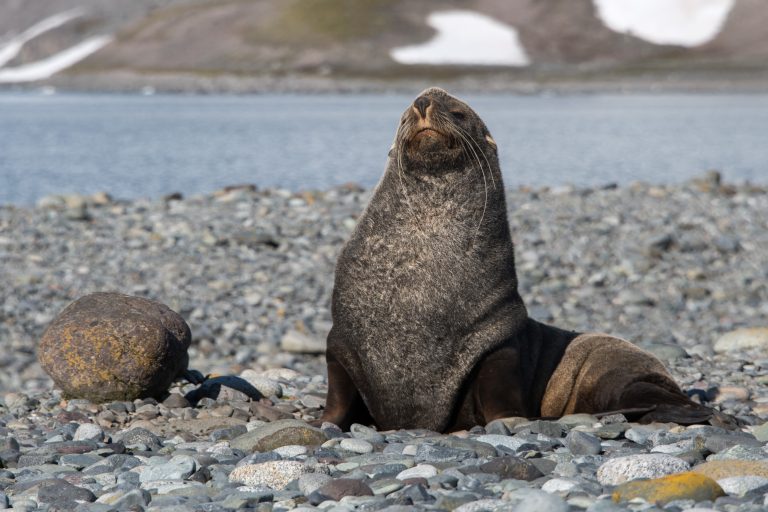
673	268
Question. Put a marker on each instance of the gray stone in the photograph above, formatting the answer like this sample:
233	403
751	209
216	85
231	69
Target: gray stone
741	485
356	445
666	351
742	339
310	482
761	432
362	432
639	434
121	500
622	469
178	468
295	341
291	450
484	505
63	492
136	436
513	443
274	474
534	500
246	500
265	386
279	433
386	486
88	432
740	452
581	443
436	453
420	471
79	460
510	466
559	485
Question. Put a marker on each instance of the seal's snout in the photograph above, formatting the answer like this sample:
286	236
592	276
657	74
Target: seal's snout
421	105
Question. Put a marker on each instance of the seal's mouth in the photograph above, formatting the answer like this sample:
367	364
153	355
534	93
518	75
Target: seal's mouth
428	132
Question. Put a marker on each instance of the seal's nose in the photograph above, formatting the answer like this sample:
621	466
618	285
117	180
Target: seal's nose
421	104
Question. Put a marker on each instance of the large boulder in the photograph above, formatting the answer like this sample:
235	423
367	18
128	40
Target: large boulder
110	346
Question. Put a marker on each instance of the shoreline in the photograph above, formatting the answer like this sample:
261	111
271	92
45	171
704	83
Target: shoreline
130	82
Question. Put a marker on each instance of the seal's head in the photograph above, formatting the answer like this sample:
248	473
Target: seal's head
439	133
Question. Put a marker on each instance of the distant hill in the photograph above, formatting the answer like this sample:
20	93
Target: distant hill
243	45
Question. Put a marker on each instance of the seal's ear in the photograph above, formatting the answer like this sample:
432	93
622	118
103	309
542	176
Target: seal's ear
392	152
490	140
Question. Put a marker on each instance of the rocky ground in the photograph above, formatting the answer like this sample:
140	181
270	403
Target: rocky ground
680	270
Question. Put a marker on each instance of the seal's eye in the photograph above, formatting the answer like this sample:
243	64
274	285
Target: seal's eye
459	116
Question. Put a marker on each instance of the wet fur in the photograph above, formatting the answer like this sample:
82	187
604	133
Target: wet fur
429	330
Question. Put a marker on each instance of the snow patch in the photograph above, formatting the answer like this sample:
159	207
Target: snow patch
48	67
466	37
679	22
13	46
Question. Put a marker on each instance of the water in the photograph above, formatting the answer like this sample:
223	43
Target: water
136	146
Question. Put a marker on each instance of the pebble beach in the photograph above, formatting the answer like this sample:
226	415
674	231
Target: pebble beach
680	270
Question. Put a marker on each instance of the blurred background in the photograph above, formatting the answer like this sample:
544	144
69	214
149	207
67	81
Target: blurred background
588	92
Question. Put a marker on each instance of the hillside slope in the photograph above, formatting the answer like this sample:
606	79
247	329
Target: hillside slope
257	44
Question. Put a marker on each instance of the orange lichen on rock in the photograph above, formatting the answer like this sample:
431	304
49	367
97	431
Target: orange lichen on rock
681	486
109	346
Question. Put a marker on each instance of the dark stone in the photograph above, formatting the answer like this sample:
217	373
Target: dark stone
121	406
436	453
327	455
63	491
176	401
498	427
202	475
259	457
510	466
660	244
454	500
718	443
8	457
225	434
412	494
26	461
68	447
72	416
416	480
546	466
612	419
27	485
548	428
337	489
265	412
110	346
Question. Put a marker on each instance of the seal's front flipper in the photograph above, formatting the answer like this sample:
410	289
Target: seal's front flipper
497	387
344	405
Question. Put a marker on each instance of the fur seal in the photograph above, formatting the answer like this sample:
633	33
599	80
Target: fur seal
429	330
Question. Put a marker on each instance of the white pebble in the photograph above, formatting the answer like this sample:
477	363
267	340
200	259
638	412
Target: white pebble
420	471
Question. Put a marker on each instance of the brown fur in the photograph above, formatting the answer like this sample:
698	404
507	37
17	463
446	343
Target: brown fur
429	330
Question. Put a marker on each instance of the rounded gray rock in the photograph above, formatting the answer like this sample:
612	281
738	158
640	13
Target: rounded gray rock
654	465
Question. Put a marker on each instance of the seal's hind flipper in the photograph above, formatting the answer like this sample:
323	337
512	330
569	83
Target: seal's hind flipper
668	406
689	414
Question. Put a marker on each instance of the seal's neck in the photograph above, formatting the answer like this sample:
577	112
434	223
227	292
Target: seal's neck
459	219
